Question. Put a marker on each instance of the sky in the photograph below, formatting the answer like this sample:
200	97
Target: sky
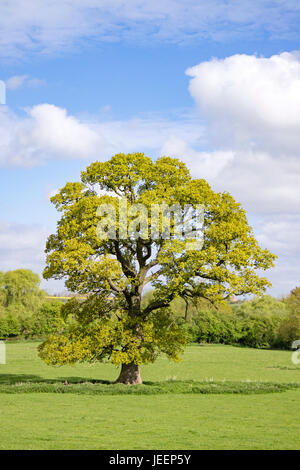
215	83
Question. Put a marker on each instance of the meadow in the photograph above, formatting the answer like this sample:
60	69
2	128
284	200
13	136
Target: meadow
217	397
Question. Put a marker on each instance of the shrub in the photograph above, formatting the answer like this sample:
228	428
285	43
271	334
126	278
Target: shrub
246	330
45	321
214	327
260	332
289	330
9	326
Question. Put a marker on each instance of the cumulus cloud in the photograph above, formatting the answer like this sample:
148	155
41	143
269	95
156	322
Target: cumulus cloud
49	132
62	134
46	132
54	25
251	101
252	109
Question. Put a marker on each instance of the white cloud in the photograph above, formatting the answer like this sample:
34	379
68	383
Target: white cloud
54	25
48	132
262	183
206	165
251	102
61	134
252	109
150	133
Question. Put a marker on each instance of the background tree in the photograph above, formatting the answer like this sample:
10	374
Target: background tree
20	293
290	329
292	301
264	306
112	322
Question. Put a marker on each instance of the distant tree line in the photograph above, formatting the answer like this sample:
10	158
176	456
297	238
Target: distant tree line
262	322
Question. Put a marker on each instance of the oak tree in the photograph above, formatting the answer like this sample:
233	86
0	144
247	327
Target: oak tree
113	270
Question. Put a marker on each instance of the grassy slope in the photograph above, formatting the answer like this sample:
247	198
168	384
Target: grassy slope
57	421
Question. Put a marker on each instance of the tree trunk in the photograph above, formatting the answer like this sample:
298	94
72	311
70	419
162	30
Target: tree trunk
129	375
186	315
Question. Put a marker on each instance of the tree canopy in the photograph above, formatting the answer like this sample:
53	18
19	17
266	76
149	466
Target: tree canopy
264	306
20	292
113	270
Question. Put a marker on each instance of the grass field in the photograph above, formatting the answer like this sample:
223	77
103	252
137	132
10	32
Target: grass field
218	397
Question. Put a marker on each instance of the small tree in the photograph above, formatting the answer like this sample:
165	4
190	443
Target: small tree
113	269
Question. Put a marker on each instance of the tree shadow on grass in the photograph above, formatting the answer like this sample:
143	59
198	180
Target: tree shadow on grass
11	379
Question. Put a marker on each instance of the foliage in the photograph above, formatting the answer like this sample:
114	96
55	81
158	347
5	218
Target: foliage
9	326
261	332
114	271
293	301
20	294
23	308
47	320
261	329
290	329
214	327
41	323
115	339
265	306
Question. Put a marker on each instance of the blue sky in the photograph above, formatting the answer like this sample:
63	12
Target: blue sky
215	83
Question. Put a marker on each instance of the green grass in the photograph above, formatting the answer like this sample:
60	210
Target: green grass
218	397
148	388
